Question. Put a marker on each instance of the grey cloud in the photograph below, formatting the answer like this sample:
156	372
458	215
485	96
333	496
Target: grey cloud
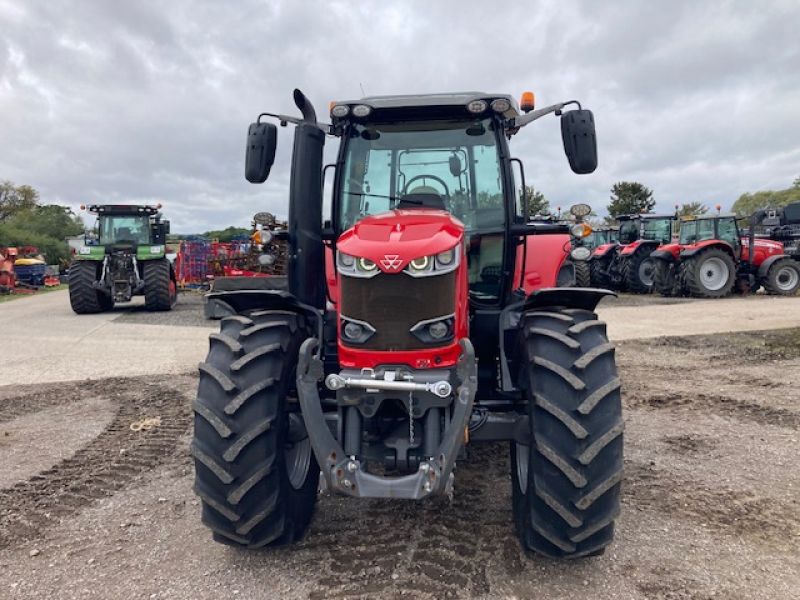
146	101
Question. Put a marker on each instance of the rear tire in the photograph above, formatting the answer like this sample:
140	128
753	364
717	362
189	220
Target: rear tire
637	272
664	280
583	275
783	278
598	272
160	292
709	274
255	472
83	296
566	484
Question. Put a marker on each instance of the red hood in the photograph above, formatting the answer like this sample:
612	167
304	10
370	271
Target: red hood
401	235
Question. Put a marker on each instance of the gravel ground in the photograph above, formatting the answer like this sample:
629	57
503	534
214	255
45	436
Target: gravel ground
710	501
188	311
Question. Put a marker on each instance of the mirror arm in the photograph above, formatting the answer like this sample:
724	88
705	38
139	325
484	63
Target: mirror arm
285	119
523	120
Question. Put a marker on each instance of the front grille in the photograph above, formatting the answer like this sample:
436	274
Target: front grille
393	304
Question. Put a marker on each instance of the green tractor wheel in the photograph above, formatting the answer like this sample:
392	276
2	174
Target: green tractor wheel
84	297
160	292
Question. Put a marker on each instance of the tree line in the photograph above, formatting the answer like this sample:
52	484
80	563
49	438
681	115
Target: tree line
633	197
24	221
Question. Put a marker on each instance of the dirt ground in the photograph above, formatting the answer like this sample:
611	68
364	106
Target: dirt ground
91	507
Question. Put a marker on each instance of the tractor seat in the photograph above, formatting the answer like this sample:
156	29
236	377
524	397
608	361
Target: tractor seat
422	197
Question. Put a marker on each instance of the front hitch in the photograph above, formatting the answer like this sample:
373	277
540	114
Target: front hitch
344	474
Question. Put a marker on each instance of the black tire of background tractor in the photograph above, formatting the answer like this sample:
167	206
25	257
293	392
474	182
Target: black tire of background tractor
241	429
630	270
664	278
83	296
583	276
566	505
159	287
779	280
598	273
691	271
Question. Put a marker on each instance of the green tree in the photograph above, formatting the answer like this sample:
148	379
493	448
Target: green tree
227	234
537	203
689	209
749	203
14	199
630	198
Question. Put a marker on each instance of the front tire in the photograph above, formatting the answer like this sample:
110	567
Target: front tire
255	472
160	292
583	276
783	277
709	274
566	483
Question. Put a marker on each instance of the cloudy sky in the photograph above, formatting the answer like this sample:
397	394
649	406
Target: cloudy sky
150	101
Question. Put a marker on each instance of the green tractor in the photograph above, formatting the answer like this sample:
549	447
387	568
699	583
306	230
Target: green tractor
126	259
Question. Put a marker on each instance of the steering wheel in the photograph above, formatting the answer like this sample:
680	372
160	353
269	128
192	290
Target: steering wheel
438	180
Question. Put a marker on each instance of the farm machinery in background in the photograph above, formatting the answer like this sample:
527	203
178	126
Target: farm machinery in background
626	264
418	317
712	257
127	258
24	270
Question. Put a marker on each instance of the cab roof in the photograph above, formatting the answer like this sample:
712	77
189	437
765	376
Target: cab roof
644	217
123	209
435	103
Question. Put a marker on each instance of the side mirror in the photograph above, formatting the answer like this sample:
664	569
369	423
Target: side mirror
455	166
262	139
580	140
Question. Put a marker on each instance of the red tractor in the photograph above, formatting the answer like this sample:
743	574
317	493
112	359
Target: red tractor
437	324
627	265
712	257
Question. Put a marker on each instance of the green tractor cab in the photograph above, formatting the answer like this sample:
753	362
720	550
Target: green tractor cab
126	258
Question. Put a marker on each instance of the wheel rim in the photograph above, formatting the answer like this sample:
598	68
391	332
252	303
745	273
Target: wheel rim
646	269
787	279
523	456
714	274
297	453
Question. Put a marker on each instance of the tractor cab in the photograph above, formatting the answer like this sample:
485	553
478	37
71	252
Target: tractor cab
712	227
645	227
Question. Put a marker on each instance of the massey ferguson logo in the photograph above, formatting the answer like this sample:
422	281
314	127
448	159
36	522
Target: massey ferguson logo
391	262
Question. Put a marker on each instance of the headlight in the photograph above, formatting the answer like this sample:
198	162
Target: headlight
580	253
477	106
437	264
421	264
446	258
366	265
355	332
84	250
346	260
500	105
361	110
340	110
435	331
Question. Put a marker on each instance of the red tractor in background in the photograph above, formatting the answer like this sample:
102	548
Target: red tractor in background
712	258
420	316
626	265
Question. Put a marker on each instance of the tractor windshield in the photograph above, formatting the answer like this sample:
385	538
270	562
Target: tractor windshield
117	229
453	165
657	229
697	231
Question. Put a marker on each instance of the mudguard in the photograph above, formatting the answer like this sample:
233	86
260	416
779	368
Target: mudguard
629	249
662	255
225	303
603	250
570	297
690	251
765	266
